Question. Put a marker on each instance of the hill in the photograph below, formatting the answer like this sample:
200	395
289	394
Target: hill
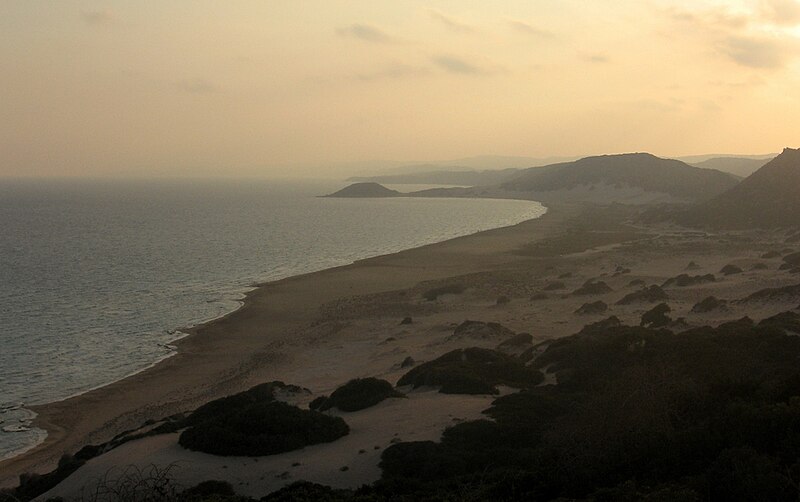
625	173
739	166
357	190
464	177
766	199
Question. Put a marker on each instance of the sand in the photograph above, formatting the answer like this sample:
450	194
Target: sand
249	346
322	329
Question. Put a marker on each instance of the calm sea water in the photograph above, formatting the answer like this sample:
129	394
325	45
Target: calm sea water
95	277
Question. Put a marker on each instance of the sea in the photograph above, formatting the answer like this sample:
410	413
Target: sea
98	277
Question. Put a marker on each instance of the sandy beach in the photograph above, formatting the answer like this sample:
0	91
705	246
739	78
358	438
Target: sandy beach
248	346
320	330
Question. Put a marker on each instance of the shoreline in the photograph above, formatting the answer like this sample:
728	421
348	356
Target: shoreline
97	414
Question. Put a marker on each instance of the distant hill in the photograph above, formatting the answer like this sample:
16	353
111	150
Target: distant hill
358	190
767	199
625	173
739	166
439	177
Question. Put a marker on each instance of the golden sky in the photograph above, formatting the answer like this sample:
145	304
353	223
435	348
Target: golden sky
296	87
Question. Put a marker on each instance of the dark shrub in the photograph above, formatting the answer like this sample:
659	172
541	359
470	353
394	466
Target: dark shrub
516	341
595	308
792	259
502	300
359	394
450	289
647	295
262	393
304	491
638	414
472	371
788	322
479	330
554	286
208	490
317	402
407	362
743	475
785	293
684	280
262	428
592	287
708	304
730	270
406	320
657	316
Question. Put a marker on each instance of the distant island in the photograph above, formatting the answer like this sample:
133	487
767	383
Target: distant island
364	190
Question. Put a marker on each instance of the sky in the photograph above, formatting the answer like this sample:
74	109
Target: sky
290	88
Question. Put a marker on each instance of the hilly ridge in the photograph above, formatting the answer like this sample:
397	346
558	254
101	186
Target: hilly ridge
769	198
635	170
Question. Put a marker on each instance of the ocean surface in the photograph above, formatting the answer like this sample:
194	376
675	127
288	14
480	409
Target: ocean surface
97	277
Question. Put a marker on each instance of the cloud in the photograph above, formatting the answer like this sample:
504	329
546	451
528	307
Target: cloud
755	52
596	58
715	19
452	64
366	33
196	86
394	72
97	17
451	23
781	12
529	29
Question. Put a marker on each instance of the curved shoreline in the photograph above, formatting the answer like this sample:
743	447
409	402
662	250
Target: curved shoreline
237	350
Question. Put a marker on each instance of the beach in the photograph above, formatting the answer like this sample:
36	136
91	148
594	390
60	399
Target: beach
243	348
319	330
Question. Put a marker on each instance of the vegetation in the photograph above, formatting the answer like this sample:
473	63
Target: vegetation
481	330
450	289
519	340
775	294
708	304
685	280
638	414
262	428
597	307
359	394
731	270
472	371
657	316
651	294
592	287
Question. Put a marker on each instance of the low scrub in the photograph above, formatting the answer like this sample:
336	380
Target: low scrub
450	289
472	371
359	394
262	428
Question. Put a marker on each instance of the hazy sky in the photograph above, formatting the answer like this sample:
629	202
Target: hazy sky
272	87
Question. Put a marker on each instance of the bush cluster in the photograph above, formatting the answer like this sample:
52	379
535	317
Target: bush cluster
472	371
357	395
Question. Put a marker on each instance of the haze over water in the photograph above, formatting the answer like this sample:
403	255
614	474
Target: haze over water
96	276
